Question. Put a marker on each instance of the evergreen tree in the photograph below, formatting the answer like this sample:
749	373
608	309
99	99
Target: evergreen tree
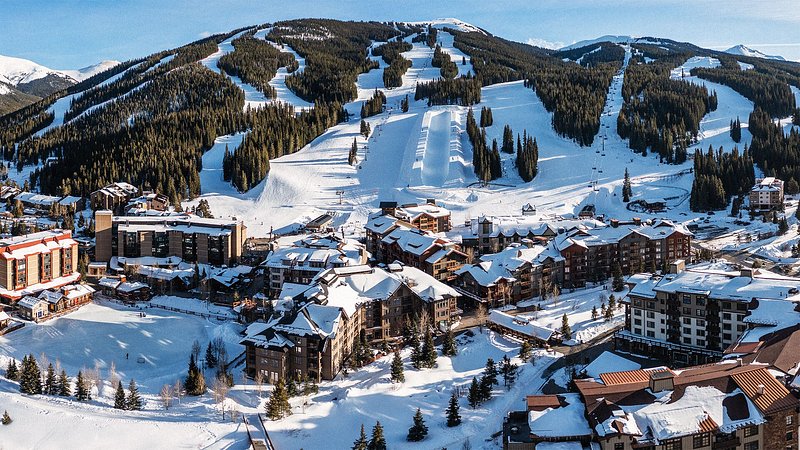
566	331
291	387
195	380
418	430
449	347
617	284
627	192
474	396
119	397
361	443
525	350
792	187
416	350
63	385
397	368
783	226
211	357
453	417
30	380
485	389
428	349
364	128
490	372
377	441
736	130
6	420
50	387
612	302
12	373
133	401
594	313
278	405
404	104
82	393
508	140
352	156
509	371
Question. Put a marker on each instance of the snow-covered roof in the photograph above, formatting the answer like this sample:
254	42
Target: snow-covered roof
521	324
720	284
411	213
318	253
30	302
380	224
186	223
768	184
129	286
494	267
4	316
37	199
609	362
109	282
566	420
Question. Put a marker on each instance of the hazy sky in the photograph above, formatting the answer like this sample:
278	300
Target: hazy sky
68	34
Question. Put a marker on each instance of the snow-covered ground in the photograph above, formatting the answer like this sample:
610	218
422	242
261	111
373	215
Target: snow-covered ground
152	348
578	306
334	416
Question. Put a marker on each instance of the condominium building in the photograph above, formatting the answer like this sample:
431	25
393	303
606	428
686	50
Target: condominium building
691	315
186	236
34	262
767	194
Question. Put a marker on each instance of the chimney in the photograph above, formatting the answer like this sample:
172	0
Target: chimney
677	266
430	201
662	380
614	223
739	362
746	272
637	221
760	389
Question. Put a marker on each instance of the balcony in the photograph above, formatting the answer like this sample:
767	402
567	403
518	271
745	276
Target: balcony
725	441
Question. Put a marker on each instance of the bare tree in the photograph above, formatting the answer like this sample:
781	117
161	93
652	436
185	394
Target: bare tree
480	316
91	378
220	389
113	376
166	396
555	294
98	382
424	319
196	350
178	389
259	380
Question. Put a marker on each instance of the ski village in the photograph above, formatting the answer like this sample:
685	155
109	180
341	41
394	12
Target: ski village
456	242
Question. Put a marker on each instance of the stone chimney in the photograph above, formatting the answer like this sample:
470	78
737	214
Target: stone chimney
677	266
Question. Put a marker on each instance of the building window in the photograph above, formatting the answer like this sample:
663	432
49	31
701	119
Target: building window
215	252
619	446
751	446
751	431
160	244
674	444
789	420
789	435
700	441
45	269
21	272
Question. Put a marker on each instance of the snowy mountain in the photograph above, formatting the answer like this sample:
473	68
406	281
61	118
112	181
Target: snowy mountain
23	81
747	51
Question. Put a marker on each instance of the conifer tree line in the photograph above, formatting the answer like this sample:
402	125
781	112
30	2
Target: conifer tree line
486	117
768	91
154	137
374	105
718	176
153	67
391	54
334	59
593	54
736	130
527	161
441	59
429	36
464	91
659	113
256	62
574	94
776	153
18	125
276	131
485	161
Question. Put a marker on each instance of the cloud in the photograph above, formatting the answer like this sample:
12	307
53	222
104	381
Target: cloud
545	43
204	34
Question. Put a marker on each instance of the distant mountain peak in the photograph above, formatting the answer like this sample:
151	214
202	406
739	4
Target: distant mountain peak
744	50
616	39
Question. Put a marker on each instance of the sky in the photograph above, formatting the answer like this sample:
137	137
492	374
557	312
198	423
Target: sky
69	34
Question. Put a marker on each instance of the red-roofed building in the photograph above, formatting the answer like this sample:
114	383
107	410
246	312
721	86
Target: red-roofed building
34	262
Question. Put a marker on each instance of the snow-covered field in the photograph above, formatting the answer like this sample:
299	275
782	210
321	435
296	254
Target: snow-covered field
157	347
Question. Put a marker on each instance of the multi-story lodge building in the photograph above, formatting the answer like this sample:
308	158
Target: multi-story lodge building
314	331
720	406
309	256
113	197
426	216
571	258
34	262
691	315
519	272
767	195
433	254
186	236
